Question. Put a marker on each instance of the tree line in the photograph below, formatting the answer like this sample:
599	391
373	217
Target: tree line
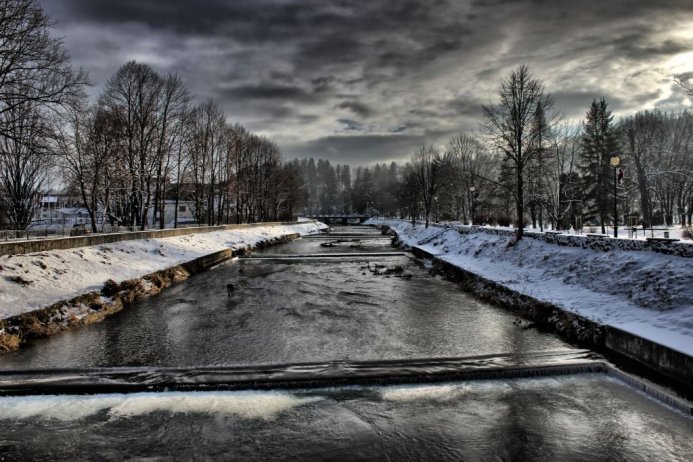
527	165
552	173
144	145
141	145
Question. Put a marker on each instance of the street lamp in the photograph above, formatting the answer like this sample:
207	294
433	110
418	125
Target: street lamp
615	162
473	194
435	199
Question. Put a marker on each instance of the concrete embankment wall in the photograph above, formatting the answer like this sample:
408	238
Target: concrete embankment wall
43	245
94	307
615	343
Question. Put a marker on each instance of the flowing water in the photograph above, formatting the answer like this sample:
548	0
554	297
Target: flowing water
569	418
347	297
296	309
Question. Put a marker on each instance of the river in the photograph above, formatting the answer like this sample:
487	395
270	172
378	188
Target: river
345	297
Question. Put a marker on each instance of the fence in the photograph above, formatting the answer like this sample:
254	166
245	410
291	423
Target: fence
57	231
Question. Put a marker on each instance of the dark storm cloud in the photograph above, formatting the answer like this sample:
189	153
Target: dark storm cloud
366	81
575	103
266	91
356	107
364	149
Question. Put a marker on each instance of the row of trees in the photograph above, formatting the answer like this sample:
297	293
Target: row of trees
566	180
139	147
36	82
144	146
527	164
143	142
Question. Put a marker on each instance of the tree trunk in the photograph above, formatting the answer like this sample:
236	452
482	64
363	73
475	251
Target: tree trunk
162	208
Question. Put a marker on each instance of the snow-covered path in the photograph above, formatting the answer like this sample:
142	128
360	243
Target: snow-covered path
646	293
32	281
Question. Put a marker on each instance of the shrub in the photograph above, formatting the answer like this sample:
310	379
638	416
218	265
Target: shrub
8	342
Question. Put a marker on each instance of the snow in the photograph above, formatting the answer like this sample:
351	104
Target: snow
645	293
36	280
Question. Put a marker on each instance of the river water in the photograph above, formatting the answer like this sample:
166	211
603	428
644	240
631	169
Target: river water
320	300
295	310
569	418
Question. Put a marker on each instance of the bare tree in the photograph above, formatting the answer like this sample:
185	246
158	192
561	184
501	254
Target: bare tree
470	167
24	163
560	178
34	67
427	163
172	110
511	127
409	194
133	94
88	144
686	83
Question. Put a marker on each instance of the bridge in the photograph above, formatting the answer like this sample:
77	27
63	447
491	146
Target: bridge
340	218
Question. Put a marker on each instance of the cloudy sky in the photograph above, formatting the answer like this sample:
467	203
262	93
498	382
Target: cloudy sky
366	81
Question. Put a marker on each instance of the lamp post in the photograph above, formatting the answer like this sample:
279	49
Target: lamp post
472	190
615	161
435	199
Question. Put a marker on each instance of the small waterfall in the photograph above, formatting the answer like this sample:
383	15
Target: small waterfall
319	375
651	390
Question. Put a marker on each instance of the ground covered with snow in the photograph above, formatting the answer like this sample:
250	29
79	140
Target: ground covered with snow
646	293
32	281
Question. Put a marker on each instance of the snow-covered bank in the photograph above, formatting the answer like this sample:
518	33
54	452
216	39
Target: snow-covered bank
645	293
32	281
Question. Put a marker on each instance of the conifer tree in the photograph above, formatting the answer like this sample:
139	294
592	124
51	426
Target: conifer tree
598	143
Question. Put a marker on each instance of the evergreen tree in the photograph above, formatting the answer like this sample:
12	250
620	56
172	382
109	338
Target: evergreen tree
598	143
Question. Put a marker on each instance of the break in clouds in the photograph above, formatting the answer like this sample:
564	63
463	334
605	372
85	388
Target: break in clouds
360	82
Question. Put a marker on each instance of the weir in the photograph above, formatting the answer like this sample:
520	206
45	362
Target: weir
74	381
348	235
322	255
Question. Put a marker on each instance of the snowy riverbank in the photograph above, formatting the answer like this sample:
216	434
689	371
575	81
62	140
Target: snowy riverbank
645	293
32	281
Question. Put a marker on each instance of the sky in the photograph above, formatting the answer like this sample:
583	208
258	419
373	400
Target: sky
360	82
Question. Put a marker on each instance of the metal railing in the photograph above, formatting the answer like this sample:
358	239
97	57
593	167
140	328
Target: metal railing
53	231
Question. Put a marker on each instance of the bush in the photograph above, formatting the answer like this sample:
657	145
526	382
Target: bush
8	342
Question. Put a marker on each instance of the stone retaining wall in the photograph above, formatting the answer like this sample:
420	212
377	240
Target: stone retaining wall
572	327
603	244
43	245
647	356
